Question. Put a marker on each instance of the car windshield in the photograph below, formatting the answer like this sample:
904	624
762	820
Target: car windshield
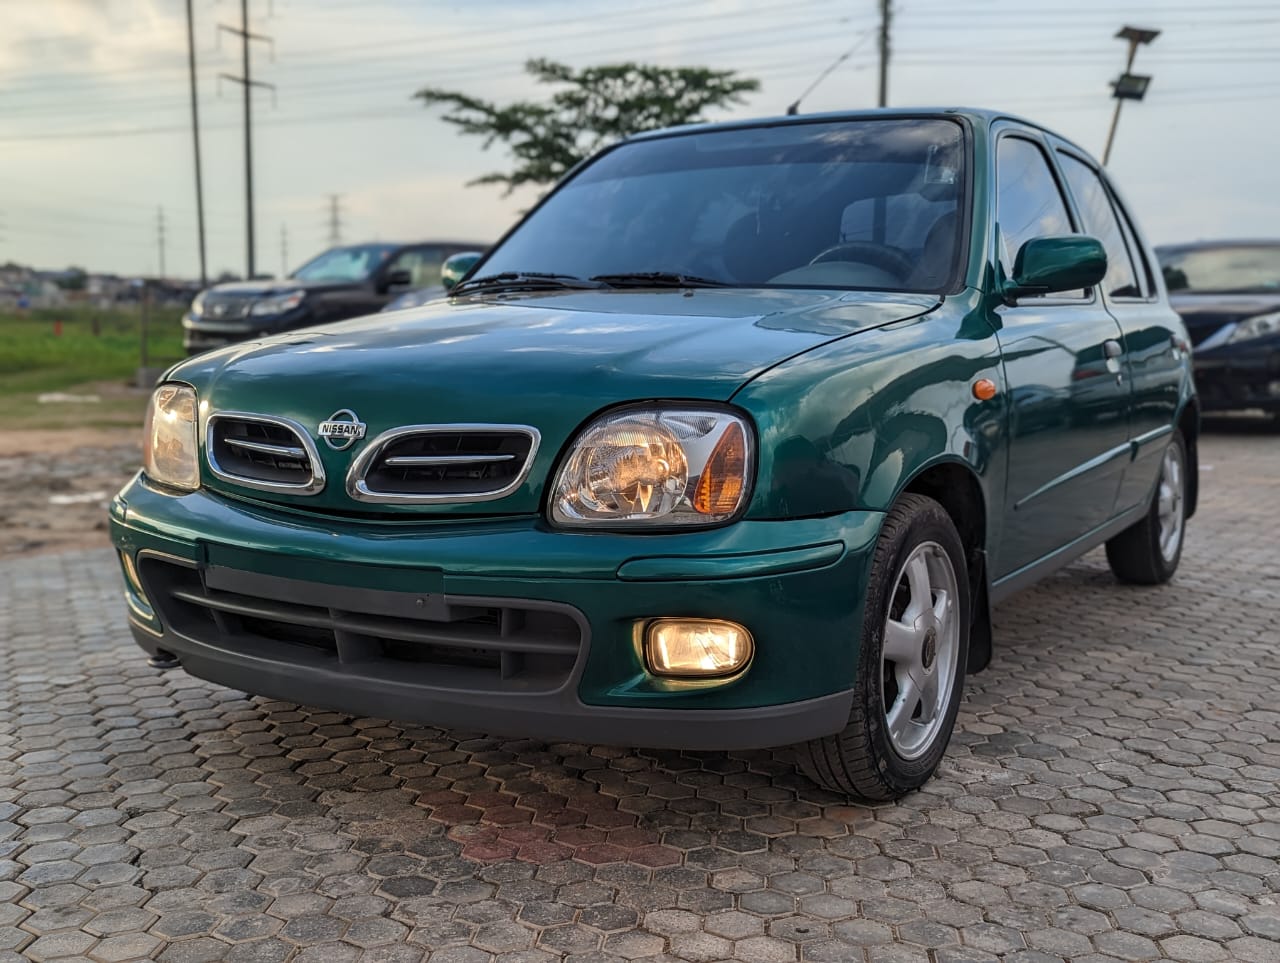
345	263
864	204
1239	269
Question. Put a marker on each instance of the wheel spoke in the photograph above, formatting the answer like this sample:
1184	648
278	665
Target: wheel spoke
941	607
921	593
928	689
901	642
903	708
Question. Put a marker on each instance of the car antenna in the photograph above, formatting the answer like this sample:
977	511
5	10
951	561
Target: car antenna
795	106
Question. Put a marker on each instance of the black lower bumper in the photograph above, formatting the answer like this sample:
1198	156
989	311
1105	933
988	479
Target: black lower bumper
550	718
1239	383
509	667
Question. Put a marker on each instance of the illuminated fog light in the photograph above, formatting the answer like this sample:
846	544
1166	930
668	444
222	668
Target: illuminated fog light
1273	388
697	648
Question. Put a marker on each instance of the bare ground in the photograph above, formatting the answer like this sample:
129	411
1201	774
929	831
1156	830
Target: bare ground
41	468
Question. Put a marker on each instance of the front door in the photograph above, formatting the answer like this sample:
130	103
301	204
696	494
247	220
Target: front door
1153	355
1069	398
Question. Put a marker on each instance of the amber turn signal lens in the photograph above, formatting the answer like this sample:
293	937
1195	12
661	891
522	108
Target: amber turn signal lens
984	389
720	486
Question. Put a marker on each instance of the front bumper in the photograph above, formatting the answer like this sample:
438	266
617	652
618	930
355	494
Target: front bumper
1240	376
797	586
201	334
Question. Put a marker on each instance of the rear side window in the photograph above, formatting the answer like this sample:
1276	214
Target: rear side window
1100	220
1029	203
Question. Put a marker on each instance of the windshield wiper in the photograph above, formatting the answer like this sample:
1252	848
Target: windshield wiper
524	281
658	279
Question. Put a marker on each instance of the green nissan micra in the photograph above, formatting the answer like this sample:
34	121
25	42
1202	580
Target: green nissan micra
733	441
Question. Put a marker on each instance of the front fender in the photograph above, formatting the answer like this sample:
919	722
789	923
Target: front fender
849	424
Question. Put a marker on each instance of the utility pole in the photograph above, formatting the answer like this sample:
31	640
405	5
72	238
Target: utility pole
284	251
160	238
335	220
886	14
1129	86
246	81
195	134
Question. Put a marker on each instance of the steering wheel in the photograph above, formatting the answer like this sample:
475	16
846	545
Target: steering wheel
867	252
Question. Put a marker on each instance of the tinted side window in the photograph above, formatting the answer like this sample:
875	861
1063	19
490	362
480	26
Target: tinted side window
1028	201
422	263
1100	220
1146	277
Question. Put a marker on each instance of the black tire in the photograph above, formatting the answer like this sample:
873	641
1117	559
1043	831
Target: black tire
862	760
1136	555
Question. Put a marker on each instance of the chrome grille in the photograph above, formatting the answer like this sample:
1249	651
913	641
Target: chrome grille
423	464
226	307
263	452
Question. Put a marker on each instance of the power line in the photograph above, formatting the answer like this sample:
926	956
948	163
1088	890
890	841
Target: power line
412	76
488	40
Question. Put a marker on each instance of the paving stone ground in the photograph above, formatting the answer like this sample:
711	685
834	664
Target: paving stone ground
1112	793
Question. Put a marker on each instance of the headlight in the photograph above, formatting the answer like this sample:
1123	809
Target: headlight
1251	328
278	303
170	450
197	304
664	466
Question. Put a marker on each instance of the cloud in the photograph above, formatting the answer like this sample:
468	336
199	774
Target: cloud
90	36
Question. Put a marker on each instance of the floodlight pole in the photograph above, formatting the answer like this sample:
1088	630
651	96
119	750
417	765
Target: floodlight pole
1136	38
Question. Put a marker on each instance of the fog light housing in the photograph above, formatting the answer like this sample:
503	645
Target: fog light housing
131	575
697	648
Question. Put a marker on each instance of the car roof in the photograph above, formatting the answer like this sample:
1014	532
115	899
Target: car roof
980	116
1221	242
398	244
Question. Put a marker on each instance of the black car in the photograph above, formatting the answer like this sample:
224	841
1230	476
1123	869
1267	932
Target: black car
1228	293
343	282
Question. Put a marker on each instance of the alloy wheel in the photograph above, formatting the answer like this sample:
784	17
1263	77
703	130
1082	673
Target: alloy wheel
920	649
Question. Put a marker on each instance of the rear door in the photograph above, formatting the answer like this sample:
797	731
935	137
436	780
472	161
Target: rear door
1069	398
1152	356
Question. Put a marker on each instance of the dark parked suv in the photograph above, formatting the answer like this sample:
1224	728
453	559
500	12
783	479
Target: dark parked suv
1228	293
341	283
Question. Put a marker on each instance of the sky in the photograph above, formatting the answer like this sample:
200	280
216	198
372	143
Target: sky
95	136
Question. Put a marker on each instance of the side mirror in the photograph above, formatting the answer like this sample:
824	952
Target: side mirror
455	268
1045	265
398	279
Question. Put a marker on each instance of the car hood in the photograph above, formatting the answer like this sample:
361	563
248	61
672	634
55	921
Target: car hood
549	361
267	287
1206	314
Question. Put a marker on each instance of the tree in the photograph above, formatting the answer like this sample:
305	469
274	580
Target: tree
73	279
592	107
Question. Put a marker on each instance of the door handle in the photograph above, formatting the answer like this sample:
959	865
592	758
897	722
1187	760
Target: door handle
1112	348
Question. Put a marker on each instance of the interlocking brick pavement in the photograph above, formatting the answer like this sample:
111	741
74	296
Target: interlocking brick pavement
1112	793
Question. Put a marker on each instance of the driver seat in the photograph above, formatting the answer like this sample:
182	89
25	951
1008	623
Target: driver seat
937	256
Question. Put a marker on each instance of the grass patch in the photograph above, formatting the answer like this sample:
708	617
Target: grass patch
81	350
93	345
